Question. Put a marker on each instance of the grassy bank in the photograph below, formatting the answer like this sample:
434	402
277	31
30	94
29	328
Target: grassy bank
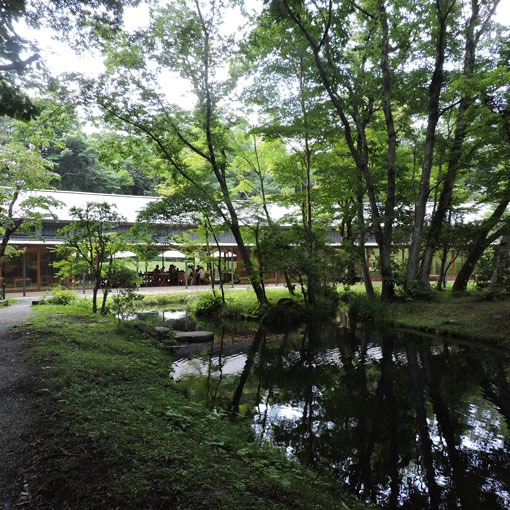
239	302
115	432
471	316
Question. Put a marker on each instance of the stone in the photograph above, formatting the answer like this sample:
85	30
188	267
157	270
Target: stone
161	331
194	336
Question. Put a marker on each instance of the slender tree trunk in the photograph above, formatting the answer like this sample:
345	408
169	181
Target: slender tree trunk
219	164
365	270
482	241
103	301
258	170
12	225
388	285
95	290
434	94
461	130
502	258
245	256
220	270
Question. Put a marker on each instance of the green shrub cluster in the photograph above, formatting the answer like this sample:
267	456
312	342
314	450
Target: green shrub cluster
61	297
208	304
362	309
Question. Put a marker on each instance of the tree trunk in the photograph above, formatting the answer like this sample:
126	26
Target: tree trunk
95	290
13	225
482	241
103	301
365	270
463	276
455	153
388	284
254	278
434	94
502	258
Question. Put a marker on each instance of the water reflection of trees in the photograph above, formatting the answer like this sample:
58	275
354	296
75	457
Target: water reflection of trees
402	421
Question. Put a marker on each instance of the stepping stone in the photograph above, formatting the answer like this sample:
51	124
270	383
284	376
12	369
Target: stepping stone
194	336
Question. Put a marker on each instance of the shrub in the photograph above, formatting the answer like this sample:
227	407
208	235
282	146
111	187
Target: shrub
124	304
362	309
419	291
208	304
61	297
328	299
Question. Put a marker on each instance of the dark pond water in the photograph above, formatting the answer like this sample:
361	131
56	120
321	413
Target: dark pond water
402	420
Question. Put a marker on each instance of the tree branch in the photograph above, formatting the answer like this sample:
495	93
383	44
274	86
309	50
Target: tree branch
20	64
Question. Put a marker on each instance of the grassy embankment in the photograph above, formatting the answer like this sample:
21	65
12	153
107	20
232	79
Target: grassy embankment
115	432
470	317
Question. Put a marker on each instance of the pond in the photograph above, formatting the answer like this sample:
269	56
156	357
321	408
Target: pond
401	420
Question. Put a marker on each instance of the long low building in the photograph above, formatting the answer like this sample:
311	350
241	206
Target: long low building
33	270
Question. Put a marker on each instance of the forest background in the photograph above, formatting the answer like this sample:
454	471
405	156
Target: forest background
386	118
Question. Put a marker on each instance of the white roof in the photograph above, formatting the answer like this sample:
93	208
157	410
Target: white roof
127	206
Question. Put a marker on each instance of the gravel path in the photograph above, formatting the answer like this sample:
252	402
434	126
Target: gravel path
13	405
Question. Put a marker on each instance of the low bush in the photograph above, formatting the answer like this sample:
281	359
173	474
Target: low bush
61	297
362	309
208	305
124	304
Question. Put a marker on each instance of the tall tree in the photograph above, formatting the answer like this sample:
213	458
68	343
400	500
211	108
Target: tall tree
13	101
295	115
490	184
476	27
187	40
25	167
20	57
444	12
382	64
351	46
490	229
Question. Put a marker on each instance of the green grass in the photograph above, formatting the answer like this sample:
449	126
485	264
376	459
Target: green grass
170	298
239	302
244	302
115	432
469	317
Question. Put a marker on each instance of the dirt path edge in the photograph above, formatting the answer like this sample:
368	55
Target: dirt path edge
14	406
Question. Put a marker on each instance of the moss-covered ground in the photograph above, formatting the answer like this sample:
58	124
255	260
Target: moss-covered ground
470	317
